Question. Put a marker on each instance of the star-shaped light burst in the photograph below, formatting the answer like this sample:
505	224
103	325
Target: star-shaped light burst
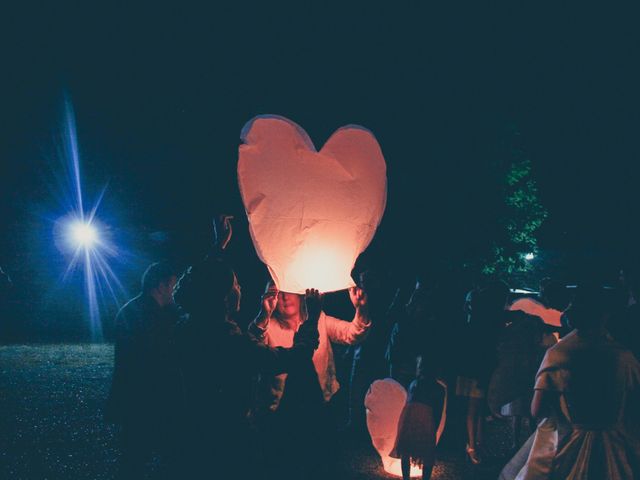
84	236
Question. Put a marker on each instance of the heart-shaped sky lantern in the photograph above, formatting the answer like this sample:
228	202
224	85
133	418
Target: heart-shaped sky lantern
310	213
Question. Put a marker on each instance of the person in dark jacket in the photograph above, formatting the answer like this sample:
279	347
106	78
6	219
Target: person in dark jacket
146	390
369	362
480	351
219	361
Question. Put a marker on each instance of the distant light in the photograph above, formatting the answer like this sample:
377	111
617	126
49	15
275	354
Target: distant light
83	234
529	256
523	291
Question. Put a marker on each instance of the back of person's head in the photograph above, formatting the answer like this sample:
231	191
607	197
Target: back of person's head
554	294
205	285
418	304
371	280
589	307
426	368
490	299
156	274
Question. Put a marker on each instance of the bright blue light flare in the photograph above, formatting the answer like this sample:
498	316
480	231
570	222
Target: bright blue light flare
82	236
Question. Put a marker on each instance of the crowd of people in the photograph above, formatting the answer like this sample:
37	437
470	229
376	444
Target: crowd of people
196	395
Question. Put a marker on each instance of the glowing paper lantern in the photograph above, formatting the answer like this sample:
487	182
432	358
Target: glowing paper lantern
384	403
531	306
311	213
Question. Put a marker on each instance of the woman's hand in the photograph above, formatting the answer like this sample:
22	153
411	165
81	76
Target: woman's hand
313	300
308	332
358	299
269	303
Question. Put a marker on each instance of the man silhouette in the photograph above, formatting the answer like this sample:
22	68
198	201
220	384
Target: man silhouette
146	390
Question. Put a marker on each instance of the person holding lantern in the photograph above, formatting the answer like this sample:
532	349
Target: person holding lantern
281	316
293	408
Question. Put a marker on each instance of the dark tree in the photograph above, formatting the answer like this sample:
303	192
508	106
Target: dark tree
512	212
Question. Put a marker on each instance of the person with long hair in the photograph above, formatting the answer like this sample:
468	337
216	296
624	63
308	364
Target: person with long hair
283	313
294	408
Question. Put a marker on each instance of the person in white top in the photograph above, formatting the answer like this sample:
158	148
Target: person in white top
293	409
280	317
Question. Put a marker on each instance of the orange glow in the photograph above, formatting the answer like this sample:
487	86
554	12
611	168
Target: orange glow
321	266
393	467
311	213
384	402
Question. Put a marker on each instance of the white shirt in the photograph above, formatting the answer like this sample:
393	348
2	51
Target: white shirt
330	329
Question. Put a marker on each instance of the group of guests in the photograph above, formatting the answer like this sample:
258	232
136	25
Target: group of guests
586	393
563	366
202	397
197	396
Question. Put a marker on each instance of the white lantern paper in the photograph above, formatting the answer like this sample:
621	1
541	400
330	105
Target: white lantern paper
384	402
310	213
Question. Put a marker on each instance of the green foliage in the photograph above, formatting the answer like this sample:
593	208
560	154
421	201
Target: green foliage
518	212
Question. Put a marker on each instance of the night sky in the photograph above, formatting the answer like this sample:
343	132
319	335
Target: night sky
161	93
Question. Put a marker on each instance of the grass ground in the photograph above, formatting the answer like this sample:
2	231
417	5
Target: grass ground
51	427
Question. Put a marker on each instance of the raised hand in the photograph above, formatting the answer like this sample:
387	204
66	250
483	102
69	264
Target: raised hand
313	300
308	332
269	301
358	298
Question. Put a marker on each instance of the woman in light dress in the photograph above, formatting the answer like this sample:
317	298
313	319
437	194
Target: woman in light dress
587	393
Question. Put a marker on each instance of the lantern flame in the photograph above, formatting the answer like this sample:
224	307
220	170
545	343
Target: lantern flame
321	267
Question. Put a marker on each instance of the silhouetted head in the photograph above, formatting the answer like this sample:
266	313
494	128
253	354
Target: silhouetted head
417	307
491	299
159	281
553	294
589	308
211	284
371	280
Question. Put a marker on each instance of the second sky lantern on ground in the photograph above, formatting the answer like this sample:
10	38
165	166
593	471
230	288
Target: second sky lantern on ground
311	213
